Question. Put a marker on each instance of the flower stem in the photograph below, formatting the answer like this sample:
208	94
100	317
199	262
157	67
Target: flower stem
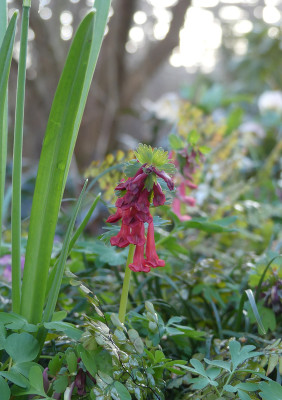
125	287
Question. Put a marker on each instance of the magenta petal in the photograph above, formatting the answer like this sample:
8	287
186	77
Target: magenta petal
120	239
152	259
138	261
159	197
115	217
137	235
168	180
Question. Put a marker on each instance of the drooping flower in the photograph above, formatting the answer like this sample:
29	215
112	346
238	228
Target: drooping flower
133	206
187	161
152	259
138	264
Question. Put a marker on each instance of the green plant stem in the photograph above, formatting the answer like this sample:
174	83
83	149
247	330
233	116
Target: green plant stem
4	123
17	166
125	286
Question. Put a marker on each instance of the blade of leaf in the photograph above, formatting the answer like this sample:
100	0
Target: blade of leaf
56	284
6	52
17	165
263	276
252	301
61	133
74	238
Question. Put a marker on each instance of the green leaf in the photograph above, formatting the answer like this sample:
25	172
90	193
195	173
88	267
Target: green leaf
272	362
109	255
15	377
89	359
6	52
234	120
55	364
248	386
252	301
71	360
175	142
136	340
271	390
122	391
4	390
243	395
57	150
61	383
22	347
206	226
239	355
198	366
59	315
193	137
219	363
213	372
131	168
23	368
3	335
60	265
199	383
36	380
68	329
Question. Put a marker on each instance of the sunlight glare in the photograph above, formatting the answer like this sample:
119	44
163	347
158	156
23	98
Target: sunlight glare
66	32
199	39
160	31
136	34
45	13
271	14
66	17
242	27
231	13
140	17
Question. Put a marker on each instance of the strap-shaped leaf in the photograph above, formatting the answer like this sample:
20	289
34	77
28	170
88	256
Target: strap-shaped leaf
60	137
6	52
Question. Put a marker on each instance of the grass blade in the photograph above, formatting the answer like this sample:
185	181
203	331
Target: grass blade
76	235
17	167
5	64
252	301
60	137
56	284
263	276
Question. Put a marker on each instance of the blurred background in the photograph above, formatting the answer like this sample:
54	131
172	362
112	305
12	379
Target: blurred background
215	53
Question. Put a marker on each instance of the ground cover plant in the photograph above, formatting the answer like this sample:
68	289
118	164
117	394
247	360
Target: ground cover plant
182	299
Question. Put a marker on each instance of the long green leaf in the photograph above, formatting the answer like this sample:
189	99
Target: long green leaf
60	137
6	52
17	166
252	301
76	235
56	284
263	276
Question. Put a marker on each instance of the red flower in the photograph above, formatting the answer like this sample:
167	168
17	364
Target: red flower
115	217
133	208
159	197
138	261
137	235
152	259
168	180
120	239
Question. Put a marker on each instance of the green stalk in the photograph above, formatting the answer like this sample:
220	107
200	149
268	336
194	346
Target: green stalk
17	165
4	127
125	287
